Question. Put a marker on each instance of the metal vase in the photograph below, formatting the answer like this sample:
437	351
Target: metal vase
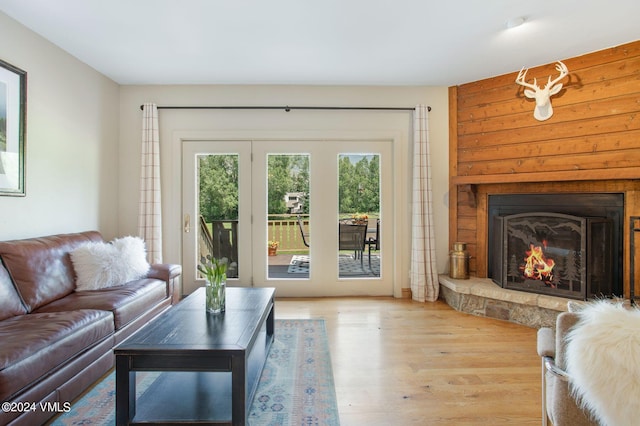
459	261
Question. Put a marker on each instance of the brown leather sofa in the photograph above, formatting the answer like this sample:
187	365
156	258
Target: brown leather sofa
56	341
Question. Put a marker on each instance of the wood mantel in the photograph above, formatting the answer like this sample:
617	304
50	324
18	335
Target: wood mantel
590	144
577	175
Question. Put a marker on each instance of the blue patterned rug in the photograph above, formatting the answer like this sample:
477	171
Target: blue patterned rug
296	386
347	264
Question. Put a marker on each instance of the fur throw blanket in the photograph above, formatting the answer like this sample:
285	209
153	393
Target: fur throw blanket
603	361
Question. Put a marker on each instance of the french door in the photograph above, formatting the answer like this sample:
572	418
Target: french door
294	195
216	200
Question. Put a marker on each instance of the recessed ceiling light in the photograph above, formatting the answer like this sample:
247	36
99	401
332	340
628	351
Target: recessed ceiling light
514	22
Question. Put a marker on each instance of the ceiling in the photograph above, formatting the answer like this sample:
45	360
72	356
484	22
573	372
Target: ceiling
329	42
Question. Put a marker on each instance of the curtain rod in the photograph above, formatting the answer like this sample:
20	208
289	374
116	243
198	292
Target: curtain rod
288	108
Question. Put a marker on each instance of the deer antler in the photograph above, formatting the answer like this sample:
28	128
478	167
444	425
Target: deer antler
563	70
521	80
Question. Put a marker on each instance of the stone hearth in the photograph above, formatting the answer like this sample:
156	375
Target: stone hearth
482	297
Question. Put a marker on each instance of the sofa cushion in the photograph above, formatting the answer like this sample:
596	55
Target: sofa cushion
34	345
10	303
127	302
41	267
100	265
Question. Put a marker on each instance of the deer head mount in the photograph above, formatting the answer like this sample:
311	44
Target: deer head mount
543	110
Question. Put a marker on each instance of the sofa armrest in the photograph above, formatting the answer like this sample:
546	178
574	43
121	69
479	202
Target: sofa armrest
546	342
164	271
169	273
547	350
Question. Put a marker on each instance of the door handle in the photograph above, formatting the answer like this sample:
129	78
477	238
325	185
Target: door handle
187	223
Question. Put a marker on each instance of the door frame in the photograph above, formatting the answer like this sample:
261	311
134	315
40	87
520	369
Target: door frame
399	230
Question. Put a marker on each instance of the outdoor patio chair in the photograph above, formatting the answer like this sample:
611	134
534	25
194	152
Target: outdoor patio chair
374	243
304	234
352	237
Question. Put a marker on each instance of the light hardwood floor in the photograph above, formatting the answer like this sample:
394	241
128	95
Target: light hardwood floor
399	362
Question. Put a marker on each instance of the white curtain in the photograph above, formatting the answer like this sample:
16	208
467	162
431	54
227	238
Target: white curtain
424	274
149	212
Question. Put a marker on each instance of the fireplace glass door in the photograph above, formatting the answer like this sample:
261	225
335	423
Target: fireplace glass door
552	253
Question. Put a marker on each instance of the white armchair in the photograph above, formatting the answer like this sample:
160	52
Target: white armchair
590	366
558	406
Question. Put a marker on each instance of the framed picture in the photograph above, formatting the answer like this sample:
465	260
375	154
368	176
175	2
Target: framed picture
13	93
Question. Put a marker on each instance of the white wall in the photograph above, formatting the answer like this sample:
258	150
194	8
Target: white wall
83	140
71	142
176	122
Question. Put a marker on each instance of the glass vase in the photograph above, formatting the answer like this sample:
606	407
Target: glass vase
215	290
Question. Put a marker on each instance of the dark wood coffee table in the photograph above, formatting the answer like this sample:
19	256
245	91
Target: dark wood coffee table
210	364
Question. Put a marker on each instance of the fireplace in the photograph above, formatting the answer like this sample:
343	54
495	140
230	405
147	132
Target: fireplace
566	245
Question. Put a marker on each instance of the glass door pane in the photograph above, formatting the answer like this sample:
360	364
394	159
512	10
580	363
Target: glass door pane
359	215
288	224
216	202
218	208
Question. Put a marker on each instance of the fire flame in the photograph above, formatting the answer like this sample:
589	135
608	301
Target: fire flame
537	266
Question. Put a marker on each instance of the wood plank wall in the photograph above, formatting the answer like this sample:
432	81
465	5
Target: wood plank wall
590	144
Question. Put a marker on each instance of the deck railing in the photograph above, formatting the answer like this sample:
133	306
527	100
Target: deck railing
281	228
285	230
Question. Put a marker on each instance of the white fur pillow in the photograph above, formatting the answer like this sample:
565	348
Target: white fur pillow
602	355
100	265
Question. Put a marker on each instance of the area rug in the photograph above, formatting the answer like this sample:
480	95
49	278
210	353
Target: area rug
299	264
348	265
296	386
